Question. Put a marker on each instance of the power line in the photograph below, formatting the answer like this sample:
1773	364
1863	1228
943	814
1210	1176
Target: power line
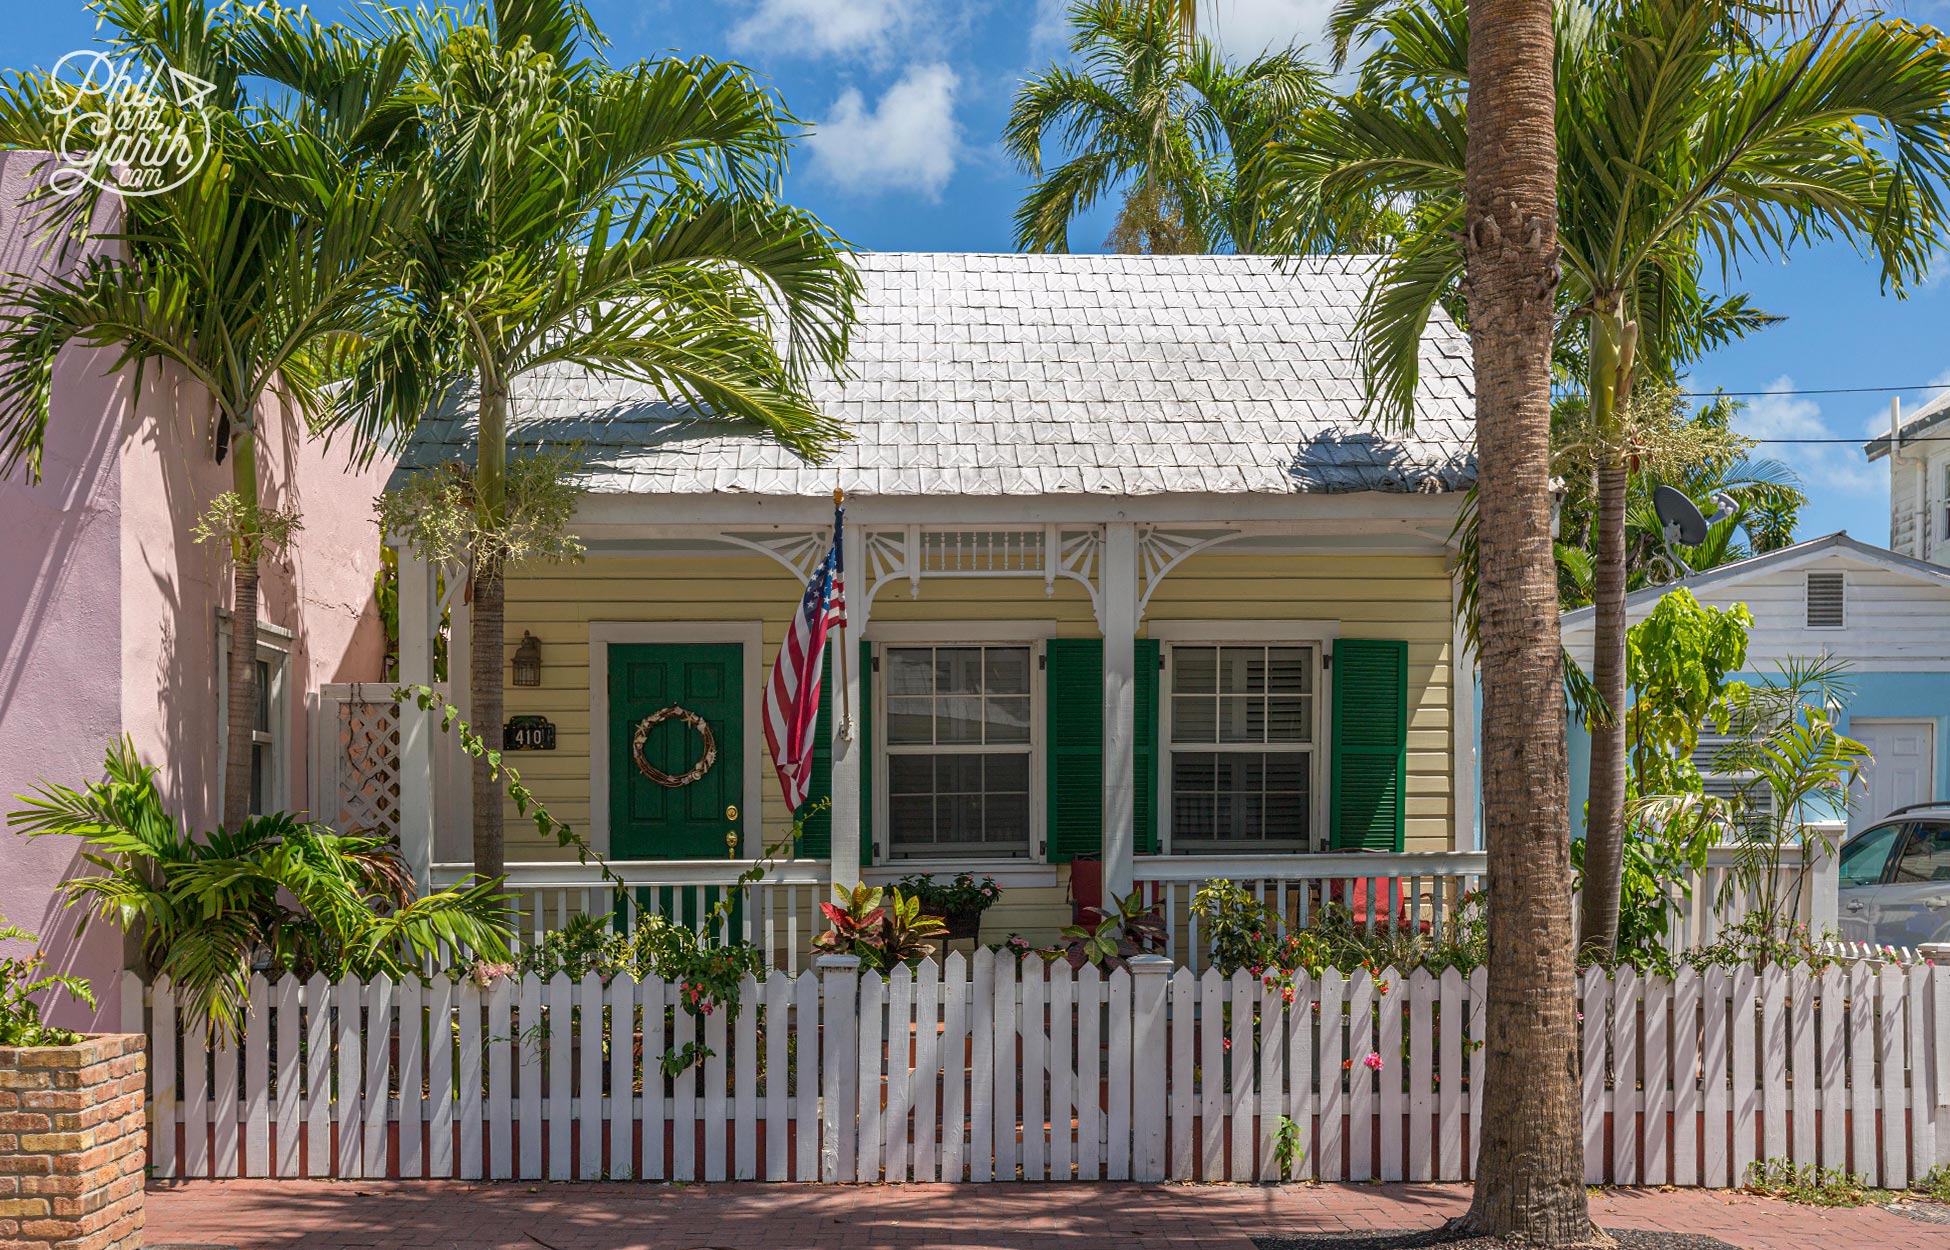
1827	390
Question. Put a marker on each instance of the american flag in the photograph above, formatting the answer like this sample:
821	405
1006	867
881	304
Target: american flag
792	696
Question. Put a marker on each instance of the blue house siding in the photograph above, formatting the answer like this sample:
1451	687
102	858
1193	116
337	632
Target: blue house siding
1896	696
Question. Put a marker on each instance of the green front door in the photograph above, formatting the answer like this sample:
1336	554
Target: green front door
649	820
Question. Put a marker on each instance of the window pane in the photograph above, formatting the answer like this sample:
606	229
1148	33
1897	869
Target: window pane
1009	719
1242	719
1239	800
1865	856
958	774
910	670
260	777
958	718
1290	670
1006	773
1194	719
1927	857
1242	670
910	774
958	670
1289	720
263	693
1008	670
910	721
1194	670
960	817
911	819
1008	820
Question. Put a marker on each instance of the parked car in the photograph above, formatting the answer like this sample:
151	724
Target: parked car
1895	879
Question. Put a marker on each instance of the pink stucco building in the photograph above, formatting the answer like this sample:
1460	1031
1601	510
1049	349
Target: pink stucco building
112	619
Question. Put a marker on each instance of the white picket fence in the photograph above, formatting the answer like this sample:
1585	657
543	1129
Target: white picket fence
977	1071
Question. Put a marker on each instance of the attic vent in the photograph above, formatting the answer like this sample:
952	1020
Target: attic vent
1826	601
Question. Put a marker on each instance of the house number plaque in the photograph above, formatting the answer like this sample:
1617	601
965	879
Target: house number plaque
528	733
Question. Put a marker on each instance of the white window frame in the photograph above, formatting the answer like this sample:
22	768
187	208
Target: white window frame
274	646
1031	634
1940	470
1321	636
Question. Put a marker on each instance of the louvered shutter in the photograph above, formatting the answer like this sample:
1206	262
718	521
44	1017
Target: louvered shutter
1073	751
1370	746
1146	807
817	841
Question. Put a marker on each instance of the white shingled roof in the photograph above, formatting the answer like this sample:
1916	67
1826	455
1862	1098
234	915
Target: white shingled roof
1004	374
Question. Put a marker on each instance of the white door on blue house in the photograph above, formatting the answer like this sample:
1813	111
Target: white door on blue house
1904	770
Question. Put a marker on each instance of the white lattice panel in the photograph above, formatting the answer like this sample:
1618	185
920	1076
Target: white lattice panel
361	764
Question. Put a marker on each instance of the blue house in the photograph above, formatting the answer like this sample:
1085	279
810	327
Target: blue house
1886	613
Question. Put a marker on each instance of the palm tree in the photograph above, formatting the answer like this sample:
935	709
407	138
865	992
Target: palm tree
1157	111
250	278
1529	1172
1686	137
615	219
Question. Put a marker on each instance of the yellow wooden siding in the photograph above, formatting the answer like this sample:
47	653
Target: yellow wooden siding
1399	597
1371	596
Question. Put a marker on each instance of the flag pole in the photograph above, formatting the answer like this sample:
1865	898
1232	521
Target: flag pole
846	697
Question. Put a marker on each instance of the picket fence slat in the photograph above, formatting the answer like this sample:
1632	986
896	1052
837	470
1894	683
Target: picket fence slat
954	989
927	1071
987	1070
1861	1075
412	1072
288	1115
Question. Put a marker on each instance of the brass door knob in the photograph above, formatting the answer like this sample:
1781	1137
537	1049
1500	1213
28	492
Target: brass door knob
731	845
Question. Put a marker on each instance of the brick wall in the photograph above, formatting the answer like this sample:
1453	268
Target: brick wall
71	1145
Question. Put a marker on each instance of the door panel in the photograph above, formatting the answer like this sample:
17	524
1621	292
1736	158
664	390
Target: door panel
649	820
1903	771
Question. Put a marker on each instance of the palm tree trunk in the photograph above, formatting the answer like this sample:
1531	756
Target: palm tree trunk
485	644
1529	1181
1604	838
240	701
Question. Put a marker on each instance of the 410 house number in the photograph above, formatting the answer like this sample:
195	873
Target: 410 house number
528	733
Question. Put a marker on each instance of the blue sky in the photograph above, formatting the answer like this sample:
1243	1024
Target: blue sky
909	96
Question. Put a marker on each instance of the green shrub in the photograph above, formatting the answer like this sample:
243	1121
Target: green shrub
20	978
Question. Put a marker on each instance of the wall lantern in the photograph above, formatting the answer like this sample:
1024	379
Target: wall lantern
528	660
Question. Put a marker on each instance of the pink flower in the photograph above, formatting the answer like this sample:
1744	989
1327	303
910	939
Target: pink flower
1373	1061
1227	1043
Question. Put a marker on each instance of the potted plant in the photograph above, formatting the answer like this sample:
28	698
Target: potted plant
960	903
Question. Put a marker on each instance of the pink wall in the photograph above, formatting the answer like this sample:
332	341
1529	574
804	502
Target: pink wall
109	611
60	623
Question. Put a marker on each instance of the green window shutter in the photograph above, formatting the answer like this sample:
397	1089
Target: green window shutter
817	842
863	730
1147	746
1073	750
1370	746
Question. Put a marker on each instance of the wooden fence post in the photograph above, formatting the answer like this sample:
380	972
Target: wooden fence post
1148	1045
839	979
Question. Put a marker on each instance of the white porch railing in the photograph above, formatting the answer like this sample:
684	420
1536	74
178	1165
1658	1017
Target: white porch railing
1422	891
779	912
1419	890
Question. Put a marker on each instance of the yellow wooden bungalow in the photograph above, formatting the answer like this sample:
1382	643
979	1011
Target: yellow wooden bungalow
1137	599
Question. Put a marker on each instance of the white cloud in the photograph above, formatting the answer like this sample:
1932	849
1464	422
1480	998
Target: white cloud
1825	468
859	29
1246	28
907	141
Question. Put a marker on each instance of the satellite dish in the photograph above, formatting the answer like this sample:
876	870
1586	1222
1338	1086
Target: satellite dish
1680	520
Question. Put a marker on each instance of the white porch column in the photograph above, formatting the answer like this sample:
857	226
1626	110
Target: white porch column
417	726
1118	583
1462	707
849	753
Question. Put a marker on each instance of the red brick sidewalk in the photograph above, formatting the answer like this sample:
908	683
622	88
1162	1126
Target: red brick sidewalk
424	1215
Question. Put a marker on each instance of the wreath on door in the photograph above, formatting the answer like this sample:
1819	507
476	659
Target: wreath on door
697	770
